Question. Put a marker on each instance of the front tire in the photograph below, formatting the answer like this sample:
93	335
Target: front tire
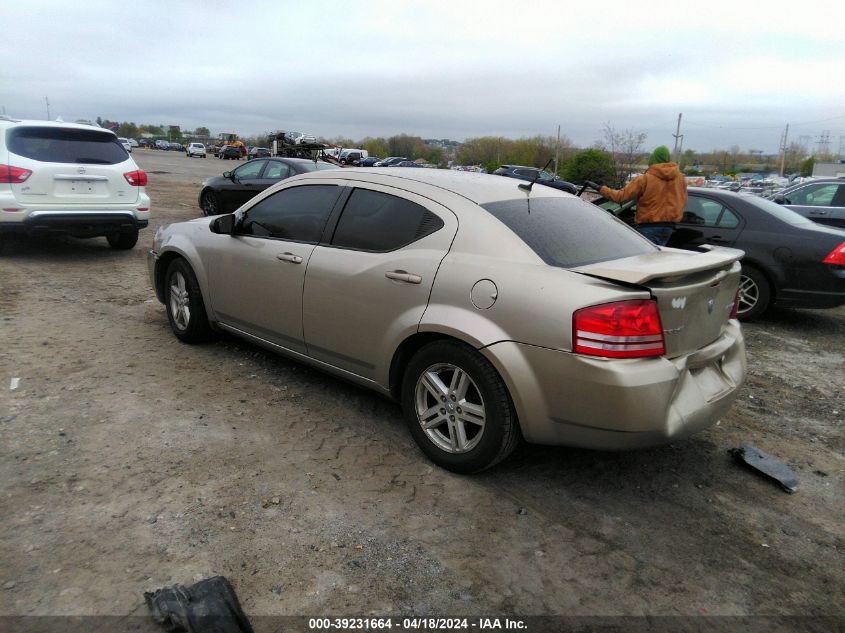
458	409
123	241
184	304
755	294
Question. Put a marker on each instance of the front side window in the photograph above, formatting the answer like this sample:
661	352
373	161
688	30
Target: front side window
820	195
297	214
375	221
66	145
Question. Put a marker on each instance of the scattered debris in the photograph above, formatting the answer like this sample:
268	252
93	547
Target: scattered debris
820	473
522	511
14	384
209	606
10	585
766	464
277	589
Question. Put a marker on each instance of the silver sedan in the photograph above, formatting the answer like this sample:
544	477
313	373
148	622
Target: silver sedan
491	312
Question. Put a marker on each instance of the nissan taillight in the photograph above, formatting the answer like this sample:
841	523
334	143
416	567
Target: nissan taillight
14	175
137	178
623	329
836	257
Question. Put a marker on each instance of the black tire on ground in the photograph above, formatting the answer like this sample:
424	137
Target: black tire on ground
210	203
500	433
123	241
755	293
183	302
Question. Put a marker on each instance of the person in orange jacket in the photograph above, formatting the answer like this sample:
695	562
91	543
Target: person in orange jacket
661	195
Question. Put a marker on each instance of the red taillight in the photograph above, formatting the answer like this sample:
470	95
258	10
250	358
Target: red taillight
735	309
137	178
836	256
9	174
624	329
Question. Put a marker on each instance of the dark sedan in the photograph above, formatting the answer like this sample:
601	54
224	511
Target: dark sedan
224	194
530	173
229	151
259	152
369	161
789	260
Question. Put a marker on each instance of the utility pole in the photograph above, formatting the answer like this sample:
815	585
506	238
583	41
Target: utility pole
557	148
678	136
47	101
783	150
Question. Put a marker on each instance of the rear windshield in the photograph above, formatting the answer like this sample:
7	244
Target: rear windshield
569	233
65	145
781	213
316	166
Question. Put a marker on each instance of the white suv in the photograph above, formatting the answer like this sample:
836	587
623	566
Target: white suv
195	149
69	178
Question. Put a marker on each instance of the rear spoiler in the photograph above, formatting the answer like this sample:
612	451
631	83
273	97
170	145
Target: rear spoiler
667	262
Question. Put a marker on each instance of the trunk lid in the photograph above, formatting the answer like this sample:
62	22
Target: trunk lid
695	291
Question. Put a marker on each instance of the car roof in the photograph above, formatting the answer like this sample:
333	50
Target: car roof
478	188
56	124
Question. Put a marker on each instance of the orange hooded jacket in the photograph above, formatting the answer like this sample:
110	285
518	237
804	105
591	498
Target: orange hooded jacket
661	194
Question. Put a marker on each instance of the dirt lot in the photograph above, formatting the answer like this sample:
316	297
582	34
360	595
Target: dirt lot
131	461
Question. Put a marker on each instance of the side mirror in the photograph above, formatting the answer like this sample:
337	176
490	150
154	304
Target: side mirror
223	224
779	198
227	174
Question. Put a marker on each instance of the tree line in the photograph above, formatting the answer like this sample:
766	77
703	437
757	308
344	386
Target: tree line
612	159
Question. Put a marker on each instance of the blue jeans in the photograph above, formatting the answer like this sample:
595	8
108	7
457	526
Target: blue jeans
657	234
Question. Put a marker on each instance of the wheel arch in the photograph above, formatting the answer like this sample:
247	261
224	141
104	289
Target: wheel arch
165	258
405	352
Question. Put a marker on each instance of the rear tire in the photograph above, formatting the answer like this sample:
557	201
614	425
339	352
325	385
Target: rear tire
123	241
183	301
458	408
755	294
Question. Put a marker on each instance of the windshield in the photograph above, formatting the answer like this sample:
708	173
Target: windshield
544	175
569	233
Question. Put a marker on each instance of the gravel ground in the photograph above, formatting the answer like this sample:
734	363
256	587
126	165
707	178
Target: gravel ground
131	461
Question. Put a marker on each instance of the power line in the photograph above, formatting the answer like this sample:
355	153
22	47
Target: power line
767	127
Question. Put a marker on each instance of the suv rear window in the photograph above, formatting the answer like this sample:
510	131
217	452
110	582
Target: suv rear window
569	233
65	145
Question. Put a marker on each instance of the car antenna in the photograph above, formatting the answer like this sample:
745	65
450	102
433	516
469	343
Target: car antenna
527	188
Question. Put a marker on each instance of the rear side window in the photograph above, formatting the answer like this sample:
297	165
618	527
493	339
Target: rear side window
65	145
298	214
375	221
569	233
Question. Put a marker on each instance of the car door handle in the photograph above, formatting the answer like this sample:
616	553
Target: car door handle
402	275
818	212
716	238
289	257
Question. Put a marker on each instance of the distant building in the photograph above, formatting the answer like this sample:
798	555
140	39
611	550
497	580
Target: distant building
829	170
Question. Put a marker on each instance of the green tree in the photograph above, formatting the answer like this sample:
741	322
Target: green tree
202	131
127	130
375	146
807	166
590	164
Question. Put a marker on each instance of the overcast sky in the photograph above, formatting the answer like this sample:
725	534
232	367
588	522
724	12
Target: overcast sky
738	71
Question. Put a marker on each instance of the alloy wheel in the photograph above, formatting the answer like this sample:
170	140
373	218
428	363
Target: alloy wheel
180	301
749	294
450	408
209	203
